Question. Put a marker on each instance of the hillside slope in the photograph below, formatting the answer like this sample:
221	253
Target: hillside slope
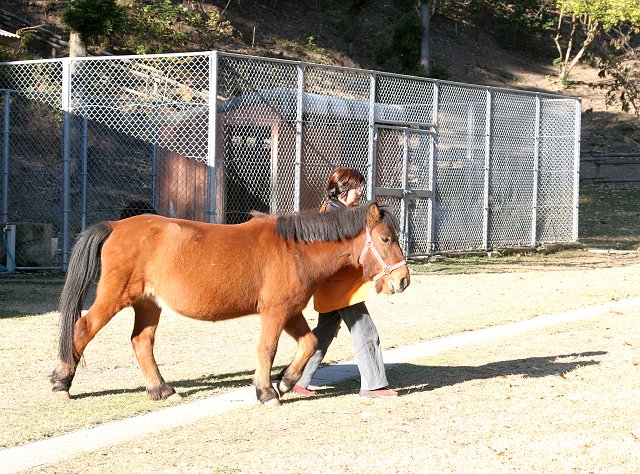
321	32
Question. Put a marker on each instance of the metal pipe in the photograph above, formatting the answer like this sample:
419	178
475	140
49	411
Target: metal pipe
536	168
5	156
212	135
487	170
154	152
372	148
85	165
404	201
66	160
576	169
297	184
434	166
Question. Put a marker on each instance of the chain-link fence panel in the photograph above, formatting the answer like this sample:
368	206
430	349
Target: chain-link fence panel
404	181
212	136
419	192
31	185
139	136
257	127
461	161
511	185
335	129
557	182
404	100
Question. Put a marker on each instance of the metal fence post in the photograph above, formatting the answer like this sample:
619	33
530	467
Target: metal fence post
372	149
536	168
85	164
154	151
66	159
299	128
212	134
576	168
433	184
5	156
487	170
404	201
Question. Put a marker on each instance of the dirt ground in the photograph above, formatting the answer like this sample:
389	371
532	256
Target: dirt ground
458	410
561	399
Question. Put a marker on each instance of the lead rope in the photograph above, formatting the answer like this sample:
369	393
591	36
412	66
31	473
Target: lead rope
368	245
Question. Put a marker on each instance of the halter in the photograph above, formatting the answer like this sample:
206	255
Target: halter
368	245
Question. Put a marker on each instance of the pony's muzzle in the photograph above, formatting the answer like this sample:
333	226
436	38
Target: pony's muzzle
398	286
395	285
404	283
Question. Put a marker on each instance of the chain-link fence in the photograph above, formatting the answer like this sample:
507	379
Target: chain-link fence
211	136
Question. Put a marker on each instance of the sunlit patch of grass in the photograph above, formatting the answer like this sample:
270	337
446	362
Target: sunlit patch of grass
610	215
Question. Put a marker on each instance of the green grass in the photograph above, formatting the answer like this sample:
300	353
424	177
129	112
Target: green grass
610	216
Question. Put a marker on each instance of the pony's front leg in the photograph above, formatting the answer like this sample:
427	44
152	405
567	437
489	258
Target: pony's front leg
298	329
271	328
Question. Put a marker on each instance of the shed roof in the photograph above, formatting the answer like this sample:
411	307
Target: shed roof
9	39
330	106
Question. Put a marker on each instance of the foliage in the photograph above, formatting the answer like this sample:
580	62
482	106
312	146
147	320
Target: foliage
439	71
20	54
407	37
402	53
517	24
92	18
149	27
152	27
620	63
580	22
217	26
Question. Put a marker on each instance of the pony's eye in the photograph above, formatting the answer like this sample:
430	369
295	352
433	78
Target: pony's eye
385	239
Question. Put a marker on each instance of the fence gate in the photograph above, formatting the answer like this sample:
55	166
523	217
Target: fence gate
404	180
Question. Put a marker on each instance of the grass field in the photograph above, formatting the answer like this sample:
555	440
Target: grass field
610	216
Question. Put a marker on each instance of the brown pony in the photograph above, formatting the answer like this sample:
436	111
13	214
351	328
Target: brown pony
268	265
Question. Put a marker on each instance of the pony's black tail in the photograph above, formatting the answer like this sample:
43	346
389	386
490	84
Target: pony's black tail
84	265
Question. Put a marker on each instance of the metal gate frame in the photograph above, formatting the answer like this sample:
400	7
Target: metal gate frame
406	193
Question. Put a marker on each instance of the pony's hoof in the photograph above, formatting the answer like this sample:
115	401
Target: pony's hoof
273	402
284	388
62	394
174	397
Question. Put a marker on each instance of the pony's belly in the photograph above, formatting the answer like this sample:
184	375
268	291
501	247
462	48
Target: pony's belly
201	312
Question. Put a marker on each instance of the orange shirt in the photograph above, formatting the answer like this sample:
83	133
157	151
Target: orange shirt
343	289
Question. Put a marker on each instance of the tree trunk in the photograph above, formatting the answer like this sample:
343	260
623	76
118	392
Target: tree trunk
425	46
77	46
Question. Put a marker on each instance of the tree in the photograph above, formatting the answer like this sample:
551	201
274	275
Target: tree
619	64
580	22
412	35
427	9
88	20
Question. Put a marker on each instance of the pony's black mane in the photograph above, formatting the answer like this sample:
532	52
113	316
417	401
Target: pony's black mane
335	225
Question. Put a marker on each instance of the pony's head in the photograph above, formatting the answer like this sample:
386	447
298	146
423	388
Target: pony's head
373	232
381	257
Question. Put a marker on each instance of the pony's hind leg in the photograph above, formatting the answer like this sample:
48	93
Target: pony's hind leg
298	329
142	340
271	328
84	330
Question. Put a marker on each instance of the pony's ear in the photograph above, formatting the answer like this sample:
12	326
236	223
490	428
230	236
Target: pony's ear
373	214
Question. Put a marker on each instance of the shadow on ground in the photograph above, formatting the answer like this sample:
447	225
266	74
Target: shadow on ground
408	378
405	378
188	387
